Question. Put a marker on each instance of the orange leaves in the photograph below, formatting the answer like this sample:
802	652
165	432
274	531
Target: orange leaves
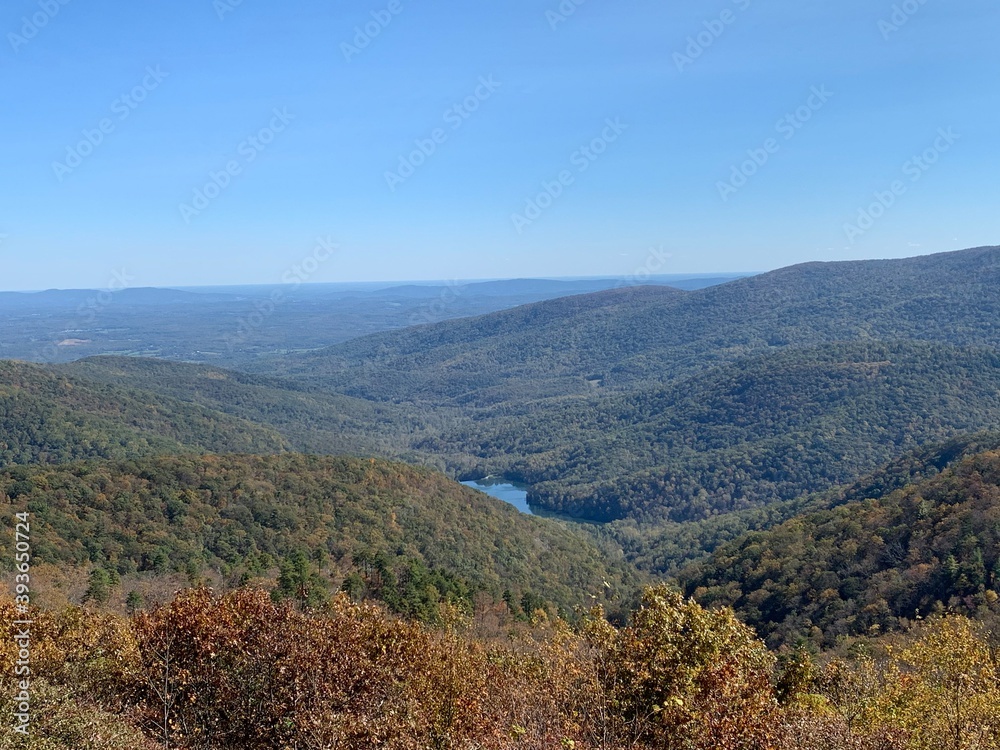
247	673
241	672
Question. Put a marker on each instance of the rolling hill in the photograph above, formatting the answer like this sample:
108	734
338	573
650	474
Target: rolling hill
869	566
245	514
310	420
620	338
46	417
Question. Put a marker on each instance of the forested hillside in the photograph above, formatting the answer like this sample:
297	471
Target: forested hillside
626	336
50	418
665	547
761	430
757	431
359	522
870	566
311	420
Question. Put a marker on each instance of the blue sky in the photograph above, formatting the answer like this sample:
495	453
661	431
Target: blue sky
322	132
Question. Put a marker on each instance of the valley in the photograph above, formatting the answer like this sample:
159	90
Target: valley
812	450
500	376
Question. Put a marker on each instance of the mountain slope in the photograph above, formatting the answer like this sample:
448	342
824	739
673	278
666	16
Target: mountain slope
869	566
547	348
311	421
50	418
233	513
623	337
668	546
759	430
655	403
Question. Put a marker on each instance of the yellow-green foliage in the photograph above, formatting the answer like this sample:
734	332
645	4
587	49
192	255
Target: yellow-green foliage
242	672
682	676
946	689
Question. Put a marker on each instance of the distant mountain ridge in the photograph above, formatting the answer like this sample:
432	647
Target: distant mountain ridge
230	326
541	288
627	336
139	296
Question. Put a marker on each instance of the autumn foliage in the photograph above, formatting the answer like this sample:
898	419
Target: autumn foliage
244	671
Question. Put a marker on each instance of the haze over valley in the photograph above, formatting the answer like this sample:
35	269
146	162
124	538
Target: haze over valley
536	375
647	433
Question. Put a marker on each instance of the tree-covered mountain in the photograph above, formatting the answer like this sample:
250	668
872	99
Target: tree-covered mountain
621	337
667	546
660	404
649	405
311	420
869	566
239	515
759	430
47	417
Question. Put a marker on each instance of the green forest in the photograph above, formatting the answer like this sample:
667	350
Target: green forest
867	566
405	535
768	517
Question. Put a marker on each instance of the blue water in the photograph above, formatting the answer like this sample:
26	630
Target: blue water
502	490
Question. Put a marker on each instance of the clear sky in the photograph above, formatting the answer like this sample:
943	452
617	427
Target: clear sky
424	147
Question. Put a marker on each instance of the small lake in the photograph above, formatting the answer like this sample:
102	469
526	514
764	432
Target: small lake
516	495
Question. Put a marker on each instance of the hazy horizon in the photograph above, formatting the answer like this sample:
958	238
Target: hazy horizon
429	280
392	284
205	143
645	273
